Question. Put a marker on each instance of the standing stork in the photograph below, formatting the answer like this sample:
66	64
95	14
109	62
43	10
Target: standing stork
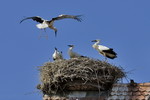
43	24
105	51
73	54
57	55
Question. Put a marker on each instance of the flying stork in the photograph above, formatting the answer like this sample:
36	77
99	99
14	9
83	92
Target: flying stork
73	54
43	24
57	55
105	51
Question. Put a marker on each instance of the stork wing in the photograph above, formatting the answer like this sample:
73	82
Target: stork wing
101	47
110	51
77	55
35	18
77	17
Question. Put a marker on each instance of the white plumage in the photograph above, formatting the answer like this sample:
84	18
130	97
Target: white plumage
57	55
73	54
43	24
105	51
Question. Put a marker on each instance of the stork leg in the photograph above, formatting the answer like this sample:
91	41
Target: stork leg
42	34
46	35
44	29
105	59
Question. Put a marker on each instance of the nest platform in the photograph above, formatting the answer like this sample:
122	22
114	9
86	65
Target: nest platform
77	74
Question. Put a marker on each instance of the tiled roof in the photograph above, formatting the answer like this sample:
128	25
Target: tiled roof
138	91
120	91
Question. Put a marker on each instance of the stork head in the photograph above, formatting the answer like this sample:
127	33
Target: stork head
97	40
71	45
55	48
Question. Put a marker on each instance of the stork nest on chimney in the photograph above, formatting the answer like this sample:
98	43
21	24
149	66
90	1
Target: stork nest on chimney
78	74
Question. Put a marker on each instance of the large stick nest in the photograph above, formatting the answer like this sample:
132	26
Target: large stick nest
78	74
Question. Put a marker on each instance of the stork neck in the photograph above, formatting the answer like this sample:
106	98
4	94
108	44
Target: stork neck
55	52
95	45
70	48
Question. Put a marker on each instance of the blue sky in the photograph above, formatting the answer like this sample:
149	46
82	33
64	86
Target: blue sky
120	24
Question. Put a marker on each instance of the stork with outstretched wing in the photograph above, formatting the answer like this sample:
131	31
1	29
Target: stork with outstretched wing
43	24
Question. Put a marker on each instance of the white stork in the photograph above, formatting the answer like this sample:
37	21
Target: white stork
105	51
73	54
43	24
57	55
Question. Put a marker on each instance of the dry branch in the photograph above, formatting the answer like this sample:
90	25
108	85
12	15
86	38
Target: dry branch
78	74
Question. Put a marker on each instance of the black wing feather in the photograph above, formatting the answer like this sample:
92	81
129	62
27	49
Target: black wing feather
77	17
110	51
35	18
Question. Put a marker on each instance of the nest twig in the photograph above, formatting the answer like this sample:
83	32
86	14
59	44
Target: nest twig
62	75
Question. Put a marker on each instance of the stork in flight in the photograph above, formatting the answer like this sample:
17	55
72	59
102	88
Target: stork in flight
73	54
57	55
43	24
105	51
